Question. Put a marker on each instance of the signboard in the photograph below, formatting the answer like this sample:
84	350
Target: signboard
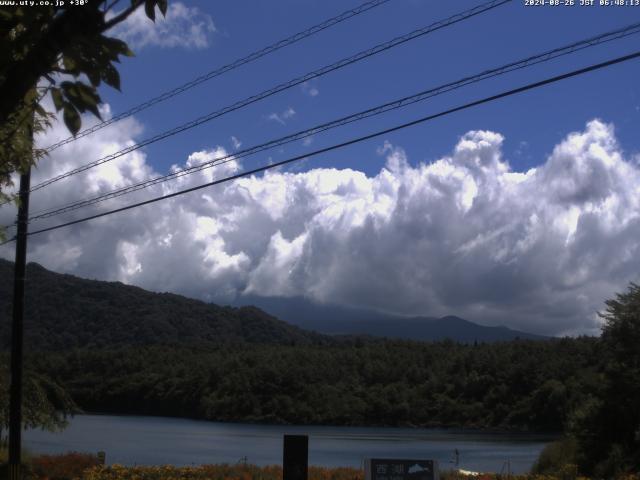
400	469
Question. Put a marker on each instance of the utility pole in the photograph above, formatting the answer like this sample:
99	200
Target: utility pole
17	327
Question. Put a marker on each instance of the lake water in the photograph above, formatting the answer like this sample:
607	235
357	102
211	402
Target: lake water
132	440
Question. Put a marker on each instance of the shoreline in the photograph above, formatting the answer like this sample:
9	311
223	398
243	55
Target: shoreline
431	427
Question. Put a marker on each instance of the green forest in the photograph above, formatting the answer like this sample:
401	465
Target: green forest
524	385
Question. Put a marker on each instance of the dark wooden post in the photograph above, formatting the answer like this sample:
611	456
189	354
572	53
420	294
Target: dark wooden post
295	457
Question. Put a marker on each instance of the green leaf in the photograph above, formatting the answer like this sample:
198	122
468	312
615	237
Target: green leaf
111	76
162	5
89	98
31	96
150	9
69	63
58	102
83	97
71	118
71	93
87	91
94	76
93	108
66	86
40	111
115	47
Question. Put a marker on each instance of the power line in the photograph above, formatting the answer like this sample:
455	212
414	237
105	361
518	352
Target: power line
396	104
224	69
379	133
285	86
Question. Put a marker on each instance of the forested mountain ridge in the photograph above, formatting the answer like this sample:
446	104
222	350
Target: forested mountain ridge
64	311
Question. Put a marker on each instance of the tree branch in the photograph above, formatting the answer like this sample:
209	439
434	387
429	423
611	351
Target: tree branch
62	70
122	16
109	7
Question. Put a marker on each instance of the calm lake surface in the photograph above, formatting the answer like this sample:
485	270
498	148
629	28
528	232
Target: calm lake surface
133	440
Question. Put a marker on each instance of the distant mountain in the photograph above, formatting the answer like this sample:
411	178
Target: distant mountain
337	320
64	311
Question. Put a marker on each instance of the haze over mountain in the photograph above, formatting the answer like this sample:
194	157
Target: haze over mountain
338	320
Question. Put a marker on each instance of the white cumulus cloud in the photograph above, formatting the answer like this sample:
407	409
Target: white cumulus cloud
236	143
465	234
183	26
282	117
310	89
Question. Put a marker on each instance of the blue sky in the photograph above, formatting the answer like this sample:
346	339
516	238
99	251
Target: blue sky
532	123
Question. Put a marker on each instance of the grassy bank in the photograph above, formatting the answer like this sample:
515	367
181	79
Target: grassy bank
76	466
251	472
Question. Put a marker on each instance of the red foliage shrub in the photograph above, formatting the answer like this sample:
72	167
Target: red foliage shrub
62	467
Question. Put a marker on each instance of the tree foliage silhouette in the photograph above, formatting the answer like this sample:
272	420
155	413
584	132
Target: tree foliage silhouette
608	425
59	50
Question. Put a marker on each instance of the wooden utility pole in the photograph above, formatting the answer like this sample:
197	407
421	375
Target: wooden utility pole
17	328
295	457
